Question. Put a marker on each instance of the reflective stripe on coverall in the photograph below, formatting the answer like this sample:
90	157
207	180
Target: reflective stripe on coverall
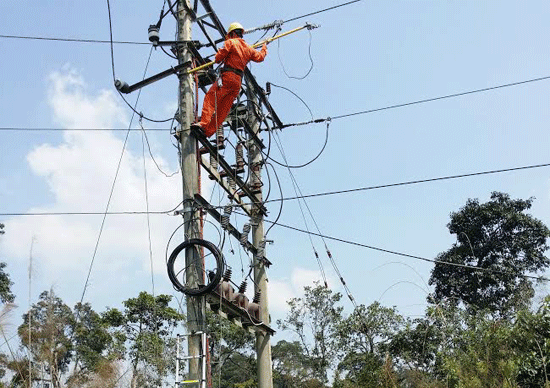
218	101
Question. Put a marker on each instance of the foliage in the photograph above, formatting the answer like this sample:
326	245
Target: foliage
95	348
230	351
531	341
237	370
363	337
6	295
315	319
291	367
484	357
146	326
49	342
505	243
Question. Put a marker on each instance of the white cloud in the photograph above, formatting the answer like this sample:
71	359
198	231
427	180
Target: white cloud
79	172
281	290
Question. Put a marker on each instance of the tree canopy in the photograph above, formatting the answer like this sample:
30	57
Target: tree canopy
5	285
503	243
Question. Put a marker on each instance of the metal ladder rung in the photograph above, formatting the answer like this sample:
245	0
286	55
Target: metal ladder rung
190	357
197	380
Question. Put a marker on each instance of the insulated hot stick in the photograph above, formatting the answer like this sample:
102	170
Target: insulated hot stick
123	87
256	45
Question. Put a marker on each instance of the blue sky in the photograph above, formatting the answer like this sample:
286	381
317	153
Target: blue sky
366	55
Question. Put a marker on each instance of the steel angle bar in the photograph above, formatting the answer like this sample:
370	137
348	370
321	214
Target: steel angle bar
231	310
232	193
218	217
229	170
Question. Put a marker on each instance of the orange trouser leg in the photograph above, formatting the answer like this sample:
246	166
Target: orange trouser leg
209	105
218	101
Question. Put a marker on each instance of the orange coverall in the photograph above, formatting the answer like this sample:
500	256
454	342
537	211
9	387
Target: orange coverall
218	101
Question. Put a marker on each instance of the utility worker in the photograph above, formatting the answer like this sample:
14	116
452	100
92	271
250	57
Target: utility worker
235	54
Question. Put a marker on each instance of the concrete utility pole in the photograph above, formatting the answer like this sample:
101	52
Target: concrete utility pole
190	177
263	339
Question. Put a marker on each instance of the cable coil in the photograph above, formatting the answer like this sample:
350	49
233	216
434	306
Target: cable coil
180	273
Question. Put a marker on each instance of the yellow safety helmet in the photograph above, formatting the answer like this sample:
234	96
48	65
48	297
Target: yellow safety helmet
234	26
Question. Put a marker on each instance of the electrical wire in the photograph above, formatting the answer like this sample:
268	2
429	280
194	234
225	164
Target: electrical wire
71	40
167	53
121	213
282	202
164	212
295	95
311	113
418	102
114	73
329	254
297	190
283	66
118	165
172	9
144	133
320	11
413	182
78	129
320	120
146	188
312	160
405	254
111	40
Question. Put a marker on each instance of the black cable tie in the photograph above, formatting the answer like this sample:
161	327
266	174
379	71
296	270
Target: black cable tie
342	280
329	254
316	254
319	120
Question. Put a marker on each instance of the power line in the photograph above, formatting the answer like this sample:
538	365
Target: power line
75	40
80	40
164	212
321	120
418	102
133	108
322	10
406	254
412	182
119	160
44	129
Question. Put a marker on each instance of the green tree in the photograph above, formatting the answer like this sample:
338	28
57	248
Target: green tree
315	319
483	355
6	295
363	337
291	367
505	243
146	325
531	341
95	348
50	344
231	352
